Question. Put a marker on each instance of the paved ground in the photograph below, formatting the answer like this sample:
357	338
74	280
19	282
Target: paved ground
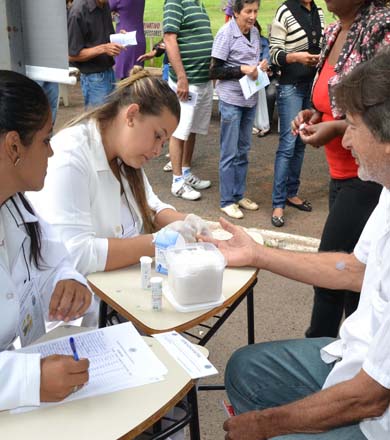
282	308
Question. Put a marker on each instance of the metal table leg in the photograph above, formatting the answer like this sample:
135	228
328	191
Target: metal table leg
194	423
250	316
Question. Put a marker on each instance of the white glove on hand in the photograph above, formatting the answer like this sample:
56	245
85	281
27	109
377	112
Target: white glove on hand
197	224
185	230
188	228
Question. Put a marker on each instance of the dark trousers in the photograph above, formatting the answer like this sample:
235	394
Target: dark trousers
351	202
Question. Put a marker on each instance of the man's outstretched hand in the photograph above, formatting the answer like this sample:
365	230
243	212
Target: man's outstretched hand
239	250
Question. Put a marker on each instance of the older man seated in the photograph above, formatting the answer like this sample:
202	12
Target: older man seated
317	389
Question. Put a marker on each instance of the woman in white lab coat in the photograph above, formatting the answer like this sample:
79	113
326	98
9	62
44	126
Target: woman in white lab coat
36	280
96	193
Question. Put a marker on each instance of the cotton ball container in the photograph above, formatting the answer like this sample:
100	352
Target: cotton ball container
195	273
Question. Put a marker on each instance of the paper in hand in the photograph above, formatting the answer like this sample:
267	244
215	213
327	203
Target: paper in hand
250	87
125	39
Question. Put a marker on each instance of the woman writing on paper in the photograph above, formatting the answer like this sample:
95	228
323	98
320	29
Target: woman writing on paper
96	193
36	280
235	53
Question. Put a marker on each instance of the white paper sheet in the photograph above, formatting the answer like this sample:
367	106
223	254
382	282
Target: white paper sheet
186	354
192	97
119	358
250	87
125	39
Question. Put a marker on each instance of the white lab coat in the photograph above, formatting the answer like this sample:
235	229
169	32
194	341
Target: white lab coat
81	197
20	373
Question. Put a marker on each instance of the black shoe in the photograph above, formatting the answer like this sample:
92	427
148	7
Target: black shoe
278	222
304	206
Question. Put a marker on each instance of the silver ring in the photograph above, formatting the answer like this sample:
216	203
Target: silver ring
75	388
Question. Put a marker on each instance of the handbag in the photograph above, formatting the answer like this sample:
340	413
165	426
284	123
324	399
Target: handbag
261	118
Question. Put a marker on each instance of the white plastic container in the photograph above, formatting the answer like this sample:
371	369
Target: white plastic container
195	273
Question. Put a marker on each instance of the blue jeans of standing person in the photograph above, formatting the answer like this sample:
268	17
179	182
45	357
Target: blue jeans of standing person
291	99
51	90
97	86
235	140
271	374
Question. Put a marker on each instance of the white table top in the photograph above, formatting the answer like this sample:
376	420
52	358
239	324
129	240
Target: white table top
104	417
121	289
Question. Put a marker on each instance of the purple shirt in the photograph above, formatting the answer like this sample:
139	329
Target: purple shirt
231	46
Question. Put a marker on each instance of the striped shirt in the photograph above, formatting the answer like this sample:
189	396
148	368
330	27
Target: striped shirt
231	46
296	29
188	19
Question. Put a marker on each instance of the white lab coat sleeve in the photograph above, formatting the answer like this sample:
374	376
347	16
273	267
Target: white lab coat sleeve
55	266
65	203
20	379
155	204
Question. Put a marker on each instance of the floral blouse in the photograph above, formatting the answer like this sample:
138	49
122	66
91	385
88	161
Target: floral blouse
368	34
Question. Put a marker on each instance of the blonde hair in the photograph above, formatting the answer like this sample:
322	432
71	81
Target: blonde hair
152	95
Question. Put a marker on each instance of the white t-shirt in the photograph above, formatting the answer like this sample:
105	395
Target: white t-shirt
365	336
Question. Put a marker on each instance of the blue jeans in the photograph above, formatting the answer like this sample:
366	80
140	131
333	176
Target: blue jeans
52	91
235	140
291	99
271	374
97	86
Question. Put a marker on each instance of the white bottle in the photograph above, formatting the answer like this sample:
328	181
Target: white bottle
156	284
146	271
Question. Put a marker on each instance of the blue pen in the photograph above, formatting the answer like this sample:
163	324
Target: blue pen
73	347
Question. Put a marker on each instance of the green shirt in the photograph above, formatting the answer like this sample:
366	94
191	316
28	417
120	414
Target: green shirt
188	19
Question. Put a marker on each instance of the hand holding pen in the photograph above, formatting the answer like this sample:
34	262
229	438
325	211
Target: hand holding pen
62	375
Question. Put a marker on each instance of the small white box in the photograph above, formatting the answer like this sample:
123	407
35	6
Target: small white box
195	273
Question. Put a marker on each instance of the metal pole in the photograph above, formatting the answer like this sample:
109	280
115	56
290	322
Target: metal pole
11	38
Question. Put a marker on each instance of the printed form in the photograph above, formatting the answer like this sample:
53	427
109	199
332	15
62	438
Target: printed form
119	359
186	354
250	86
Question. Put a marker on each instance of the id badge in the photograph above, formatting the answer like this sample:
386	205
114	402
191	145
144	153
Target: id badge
31	320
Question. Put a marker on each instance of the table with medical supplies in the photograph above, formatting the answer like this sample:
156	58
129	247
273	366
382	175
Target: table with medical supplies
110	416
121	290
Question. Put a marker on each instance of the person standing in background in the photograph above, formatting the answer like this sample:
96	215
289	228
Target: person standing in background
131	18
362	30
90	50
236	52
188	40
295	42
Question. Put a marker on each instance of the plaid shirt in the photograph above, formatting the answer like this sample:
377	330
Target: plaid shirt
368	34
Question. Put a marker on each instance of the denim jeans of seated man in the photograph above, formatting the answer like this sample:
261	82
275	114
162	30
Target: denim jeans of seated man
235	143
291	99
272	374
97	86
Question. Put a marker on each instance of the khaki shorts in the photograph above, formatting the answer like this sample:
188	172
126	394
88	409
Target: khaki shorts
195	119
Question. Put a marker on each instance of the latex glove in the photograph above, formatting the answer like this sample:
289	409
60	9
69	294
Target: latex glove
199	226
186	230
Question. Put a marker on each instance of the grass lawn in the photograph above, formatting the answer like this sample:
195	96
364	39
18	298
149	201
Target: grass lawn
154	12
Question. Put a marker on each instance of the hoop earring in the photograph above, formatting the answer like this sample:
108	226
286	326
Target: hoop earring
16	161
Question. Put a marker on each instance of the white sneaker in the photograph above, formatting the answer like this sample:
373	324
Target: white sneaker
232	211
248	204
186	192
195	182
168	166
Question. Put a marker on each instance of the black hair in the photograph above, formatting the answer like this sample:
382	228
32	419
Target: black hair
24	108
